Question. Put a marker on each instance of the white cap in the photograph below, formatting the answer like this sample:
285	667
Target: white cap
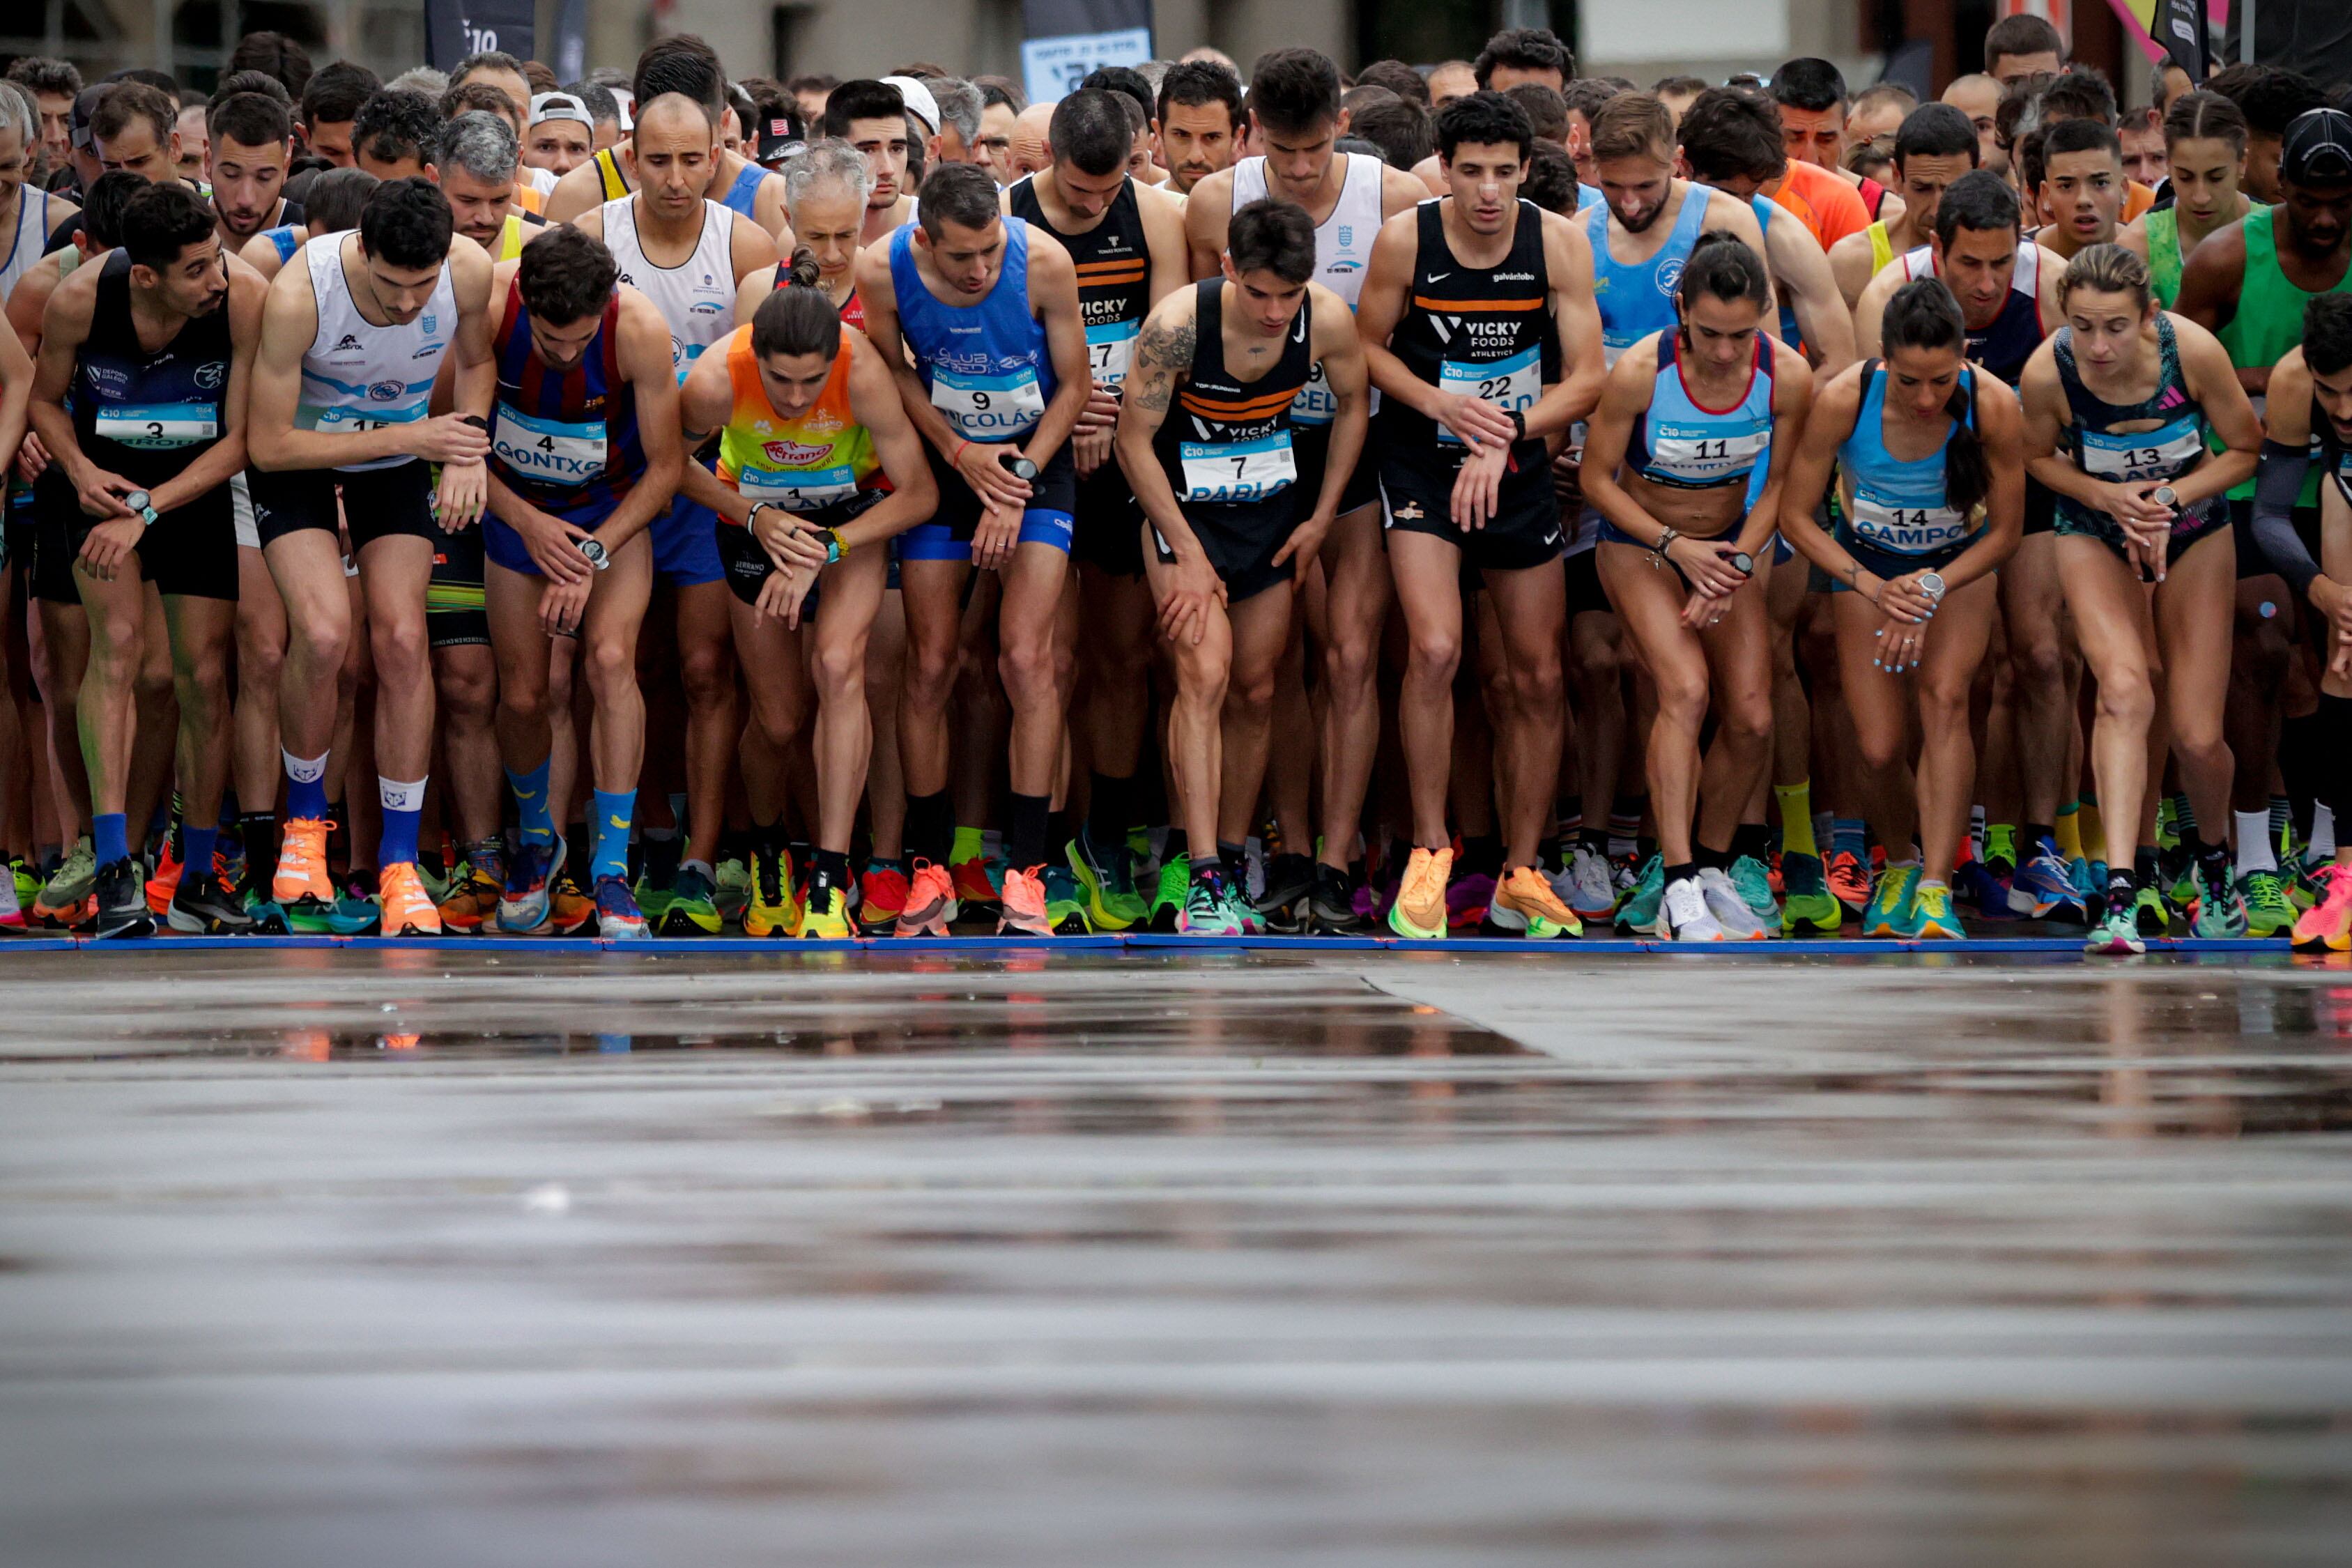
549	105
628	103
919	100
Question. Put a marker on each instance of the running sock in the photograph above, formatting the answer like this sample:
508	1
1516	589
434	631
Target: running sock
2148	865
538	825
258	830
2322	846
1624	827
1027	844
196	850
2184	817
1481	856
609	850
930	827
1848	837
109	835
1205	867
1824	829
403	810
306	787
1595	841
2257	849
1750	840
1682	873
2094	832
2067	832
1704	859
969	845
2123	885
701	867
2001	844
1797	819
2282	813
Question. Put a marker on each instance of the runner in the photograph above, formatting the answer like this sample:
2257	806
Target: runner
2131	393
871	116
2204	151
825	194
352	339
248	139
2082	187
1478	324
1936	146
988	308
1931	498
477	165
333	203
819	468
1726	143
1200	122
1217	487
682	64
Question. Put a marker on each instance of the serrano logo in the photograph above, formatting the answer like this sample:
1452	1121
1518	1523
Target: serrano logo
794	454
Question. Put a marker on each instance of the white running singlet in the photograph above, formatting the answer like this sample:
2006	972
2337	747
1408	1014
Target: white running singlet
32	232
696	297
1343	248
359	376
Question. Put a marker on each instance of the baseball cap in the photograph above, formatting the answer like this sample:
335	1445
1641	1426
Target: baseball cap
2318	148
780	138
548	106
85	106
919	101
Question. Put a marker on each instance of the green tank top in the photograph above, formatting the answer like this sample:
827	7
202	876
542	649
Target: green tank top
2269	321
2163	230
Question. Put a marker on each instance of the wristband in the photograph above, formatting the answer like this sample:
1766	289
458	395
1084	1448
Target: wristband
477	421
957	456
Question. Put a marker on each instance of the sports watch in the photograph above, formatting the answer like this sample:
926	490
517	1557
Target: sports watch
1743	564
833	548
598	557
2165	497
138	501
1932	584
1018	466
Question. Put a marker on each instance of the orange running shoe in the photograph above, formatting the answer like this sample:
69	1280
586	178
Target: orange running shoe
1025	903
2327	926
165	881
930	903
1420	908
1849	882
407	908
302	865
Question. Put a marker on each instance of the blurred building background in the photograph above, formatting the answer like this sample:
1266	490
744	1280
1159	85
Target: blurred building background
1929	41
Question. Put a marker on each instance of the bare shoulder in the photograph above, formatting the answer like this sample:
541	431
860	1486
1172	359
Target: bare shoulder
1401	190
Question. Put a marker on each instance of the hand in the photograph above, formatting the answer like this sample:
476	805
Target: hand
2149	553
1478	487
1479	424
1304	541
463	495
1900	643
555	549
1101	412
32	458
101	493
1902	600
783	593
448	439
109	545
1193	586
1708	564
2130	503
1704	610
993	539
2335	603
979	463
789	543
1568	483
1090	449
561	606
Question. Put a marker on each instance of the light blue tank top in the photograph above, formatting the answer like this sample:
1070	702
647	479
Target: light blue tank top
1900	507
1638	299
744	194
282	236
1682	443
985	365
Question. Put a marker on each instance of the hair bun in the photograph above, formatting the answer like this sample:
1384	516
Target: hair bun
805	272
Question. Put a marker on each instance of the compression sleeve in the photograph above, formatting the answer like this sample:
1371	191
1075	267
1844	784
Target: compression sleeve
2278	486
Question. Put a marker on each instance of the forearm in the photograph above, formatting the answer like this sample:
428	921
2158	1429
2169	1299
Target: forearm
2214	476
888	517
474	387
2278	486
647	500
1157	498
1564	402
2056	473
1346	451
704	488
1763	517
54	425
929	423
1604	495
1061	416
1994	545
1385	371
291	447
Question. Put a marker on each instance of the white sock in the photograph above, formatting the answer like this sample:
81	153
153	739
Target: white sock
2323	835
2255	851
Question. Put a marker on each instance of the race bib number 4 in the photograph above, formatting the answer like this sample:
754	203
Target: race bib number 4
799	489
1511	385
548	451
1236	471
1889	525
989	408
156	427
1110	350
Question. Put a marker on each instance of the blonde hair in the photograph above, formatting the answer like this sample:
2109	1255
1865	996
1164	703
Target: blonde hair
2109	270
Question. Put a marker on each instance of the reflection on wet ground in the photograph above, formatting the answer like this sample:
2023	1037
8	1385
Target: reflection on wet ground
459	1258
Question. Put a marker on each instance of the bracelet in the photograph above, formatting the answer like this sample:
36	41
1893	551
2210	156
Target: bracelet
1658	551
957	456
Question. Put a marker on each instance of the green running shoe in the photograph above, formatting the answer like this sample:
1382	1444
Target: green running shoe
652	902
355	912
1890	902
693	905
1065	904
1641	914
1930	916
1754	880
1175	887
2118	931
1106	882
1809	904
60	902
2221	913
2269	911
1211	910
2151	912
733	887
2167	825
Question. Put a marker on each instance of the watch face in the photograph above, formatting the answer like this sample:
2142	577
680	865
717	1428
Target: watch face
136	500
593	551
1743	562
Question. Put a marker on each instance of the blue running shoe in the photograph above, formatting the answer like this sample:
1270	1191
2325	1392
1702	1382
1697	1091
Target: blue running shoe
530	871
618	919
2044	884
1980	887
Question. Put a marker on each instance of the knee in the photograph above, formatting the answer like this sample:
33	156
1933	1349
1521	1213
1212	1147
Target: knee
400	645
1536	687
1351	660
202	677
1205	677
1944	704
156	681
705	673
611	668
1746	715
1026	664
1249	693
839	671
1682	696
1436	654
470	695
2036	660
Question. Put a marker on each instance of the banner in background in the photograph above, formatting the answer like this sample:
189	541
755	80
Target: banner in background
2168	28
1067	39
456	28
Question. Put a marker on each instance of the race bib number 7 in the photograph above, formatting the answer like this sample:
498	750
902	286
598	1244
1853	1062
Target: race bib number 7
1232	472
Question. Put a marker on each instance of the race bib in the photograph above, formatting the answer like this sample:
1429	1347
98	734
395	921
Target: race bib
158	427
1316	403
1707	454
1110	350
548	451
989	408
342	420
1236	471
1511	385
1887	524
798	490
2146	454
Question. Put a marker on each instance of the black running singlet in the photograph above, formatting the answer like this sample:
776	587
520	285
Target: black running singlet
1486	332
1225	445
147	415
1114	264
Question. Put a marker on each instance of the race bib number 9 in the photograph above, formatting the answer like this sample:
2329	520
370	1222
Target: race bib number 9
1314	403
1236	471
799	489
548	451
1511	385
158	427
989	408
1889	525
1110	350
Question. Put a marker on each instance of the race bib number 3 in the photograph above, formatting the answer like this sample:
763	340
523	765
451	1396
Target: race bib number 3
1511	385
1236	471
989	408
1889	525
799	489
158	427
1110	350
548	451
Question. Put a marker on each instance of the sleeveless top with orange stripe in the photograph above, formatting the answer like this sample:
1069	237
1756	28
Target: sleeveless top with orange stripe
821	465
1114	266
1225	445
1482	331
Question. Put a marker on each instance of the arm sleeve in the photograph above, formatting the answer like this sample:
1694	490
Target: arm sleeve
2277	486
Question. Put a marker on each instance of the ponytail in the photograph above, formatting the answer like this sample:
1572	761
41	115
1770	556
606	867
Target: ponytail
799	318
1924	315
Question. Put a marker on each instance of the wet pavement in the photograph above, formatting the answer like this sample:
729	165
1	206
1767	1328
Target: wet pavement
456	1257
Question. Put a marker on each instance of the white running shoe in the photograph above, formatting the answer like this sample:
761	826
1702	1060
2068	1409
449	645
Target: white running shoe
1688	916
1730	910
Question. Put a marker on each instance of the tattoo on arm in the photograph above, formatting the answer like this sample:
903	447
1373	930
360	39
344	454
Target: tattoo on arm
1161	354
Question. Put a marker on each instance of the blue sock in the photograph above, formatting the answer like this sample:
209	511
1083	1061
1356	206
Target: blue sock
306	787
615	807
1848	837
109	835
196	848
531	804
404	812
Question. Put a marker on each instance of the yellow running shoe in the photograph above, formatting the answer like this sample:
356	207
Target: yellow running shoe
407	908
1420	908
771	910
827	915
1524	903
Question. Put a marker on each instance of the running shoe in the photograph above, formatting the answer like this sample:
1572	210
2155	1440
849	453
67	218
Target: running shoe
733	882
29	885
1890	903
1289	887
1730	907
1210	909
63	899
1773	878
1066	903
1809	906
1331	907
2168	825
770	907
1524	904
1420	909
1642	914
523	905
653	901
693	905
1585	886
2327	926
2117	931
1930	916
2269	911
12	913
206	905
1626	875
974	885
1106	882
569	907
268	914
355	912
1167	897
881	894
407	910
2304	888
1849	882
436	882
618	919
301	883
930	903
166	880
1983	889
122	900
1022	904
2044	885
471	904
1466	897
1754	880
1685	914
2151	912
824	915
2220	913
